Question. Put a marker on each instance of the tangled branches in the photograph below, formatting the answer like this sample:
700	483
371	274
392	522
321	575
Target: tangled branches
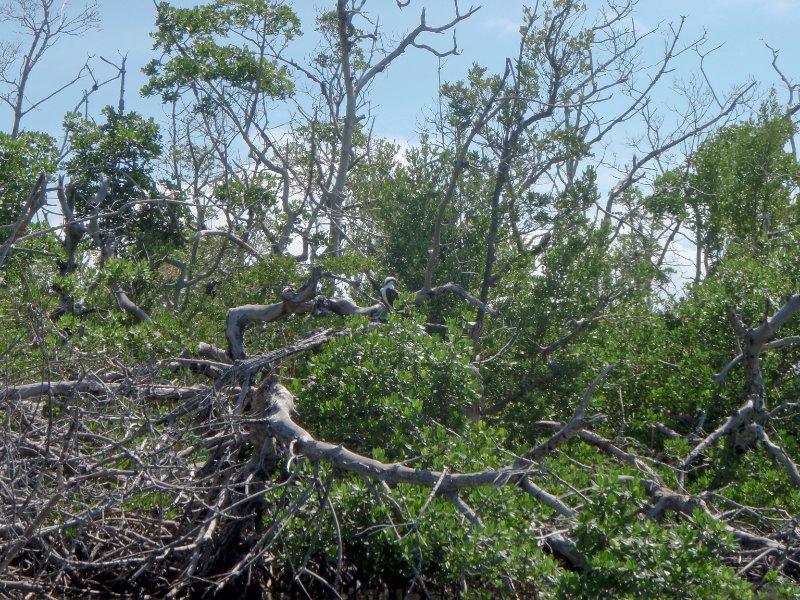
113	483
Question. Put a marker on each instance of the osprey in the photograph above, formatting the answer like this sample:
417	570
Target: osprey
388	293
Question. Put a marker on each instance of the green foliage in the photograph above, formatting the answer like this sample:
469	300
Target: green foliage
391	390
672	355
744	178
630	557
256	193
752	479
156	502
21	161
739	184
124	149
406	200
208	44
586	297
389	541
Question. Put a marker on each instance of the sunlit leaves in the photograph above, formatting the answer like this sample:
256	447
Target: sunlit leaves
122	149
391	389
222	45
632	557
21	160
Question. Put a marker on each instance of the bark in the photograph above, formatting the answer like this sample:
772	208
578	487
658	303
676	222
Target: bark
355	84
36	200
290	434
73	233
745	428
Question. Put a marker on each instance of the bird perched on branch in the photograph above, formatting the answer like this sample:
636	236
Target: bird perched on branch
388	293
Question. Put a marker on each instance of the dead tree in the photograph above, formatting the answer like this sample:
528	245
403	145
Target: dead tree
747	426
44	23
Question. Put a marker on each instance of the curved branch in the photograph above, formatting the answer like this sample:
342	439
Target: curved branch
424	294
281	406
226	234
128	305
293	302
774	345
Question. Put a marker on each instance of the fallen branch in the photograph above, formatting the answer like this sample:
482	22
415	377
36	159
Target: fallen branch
289	433
65	388
742	416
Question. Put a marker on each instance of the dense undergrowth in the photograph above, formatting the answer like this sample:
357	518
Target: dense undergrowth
548	410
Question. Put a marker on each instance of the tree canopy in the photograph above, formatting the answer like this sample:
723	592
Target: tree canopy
584	389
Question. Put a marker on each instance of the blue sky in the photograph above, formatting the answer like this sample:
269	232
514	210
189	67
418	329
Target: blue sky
402	95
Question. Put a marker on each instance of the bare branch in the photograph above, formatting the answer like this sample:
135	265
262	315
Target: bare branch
36	200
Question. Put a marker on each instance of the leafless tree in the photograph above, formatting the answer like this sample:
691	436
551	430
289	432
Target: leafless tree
43	24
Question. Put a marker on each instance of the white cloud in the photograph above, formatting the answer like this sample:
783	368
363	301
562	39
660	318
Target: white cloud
504	25
681	258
